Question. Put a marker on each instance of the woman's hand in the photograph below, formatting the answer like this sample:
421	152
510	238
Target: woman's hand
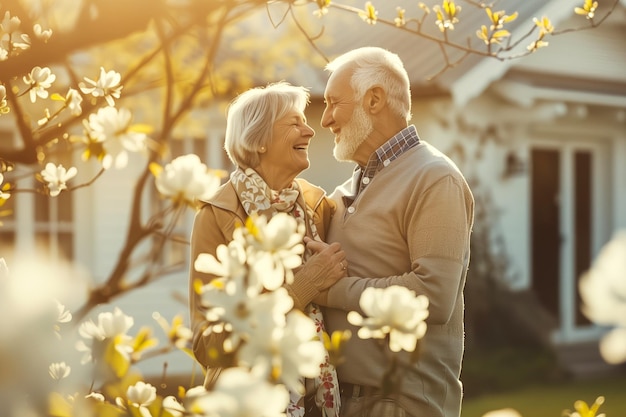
326	266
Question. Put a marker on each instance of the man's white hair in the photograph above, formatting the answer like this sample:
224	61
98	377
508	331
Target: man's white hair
377	66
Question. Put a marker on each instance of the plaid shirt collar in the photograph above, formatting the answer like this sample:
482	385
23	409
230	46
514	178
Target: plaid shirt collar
401	142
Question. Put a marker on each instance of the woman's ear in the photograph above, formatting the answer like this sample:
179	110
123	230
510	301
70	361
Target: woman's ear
375	99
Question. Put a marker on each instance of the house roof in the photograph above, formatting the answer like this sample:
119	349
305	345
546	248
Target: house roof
343	30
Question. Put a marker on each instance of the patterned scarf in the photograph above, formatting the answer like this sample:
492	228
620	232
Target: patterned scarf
257	197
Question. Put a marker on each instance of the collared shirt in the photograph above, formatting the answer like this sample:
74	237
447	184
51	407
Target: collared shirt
387	152
401	142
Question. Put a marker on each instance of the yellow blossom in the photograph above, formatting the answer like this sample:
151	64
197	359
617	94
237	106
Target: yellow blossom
399	20
544	25
370	14
583	410
489	38
498	19
334	345
322	7
142	342
536	45
446	18
588	10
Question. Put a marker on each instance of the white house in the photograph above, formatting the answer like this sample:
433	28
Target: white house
542	139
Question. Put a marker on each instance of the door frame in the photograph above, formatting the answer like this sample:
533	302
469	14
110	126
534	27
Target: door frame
601	221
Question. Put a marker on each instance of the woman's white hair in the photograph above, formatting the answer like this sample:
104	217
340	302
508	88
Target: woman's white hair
251	117
378	66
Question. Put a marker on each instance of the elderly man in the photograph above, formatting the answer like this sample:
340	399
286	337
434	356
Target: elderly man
404	218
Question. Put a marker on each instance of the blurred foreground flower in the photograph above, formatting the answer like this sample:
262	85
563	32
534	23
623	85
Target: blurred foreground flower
266	251
240	392
247	301
274	248
395	311
504	412
59	370
584	410
3	195
138	396
603	291
4	105
107	336
30	346
177	333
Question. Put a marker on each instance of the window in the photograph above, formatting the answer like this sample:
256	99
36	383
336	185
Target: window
37	224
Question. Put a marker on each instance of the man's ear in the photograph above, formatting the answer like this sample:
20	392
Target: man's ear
375	99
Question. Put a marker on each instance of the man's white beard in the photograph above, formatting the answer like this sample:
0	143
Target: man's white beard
353	135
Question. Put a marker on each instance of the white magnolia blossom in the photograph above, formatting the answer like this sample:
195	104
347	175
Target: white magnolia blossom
264	252
4	105
603	292
395	311
42	34
177	333
56	177
229	261
64	314
173	407
241	393
73	101
187	179
243	311
287	352
3	195
4	270
112	127
107	86
59	370
274	248
141	394
39	80
110	326
9	24
96	396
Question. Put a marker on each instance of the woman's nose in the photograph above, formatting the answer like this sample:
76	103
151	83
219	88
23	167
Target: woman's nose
308	131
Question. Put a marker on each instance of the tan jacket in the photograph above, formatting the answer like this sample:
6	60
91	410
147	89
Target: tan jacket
214	225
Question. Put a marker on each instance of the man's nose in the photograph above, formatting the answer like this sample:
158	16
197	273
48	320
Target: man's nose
326	119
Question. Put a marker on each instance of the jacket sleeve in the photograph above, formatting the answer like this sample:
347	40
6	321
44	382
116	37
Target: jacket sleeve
207	234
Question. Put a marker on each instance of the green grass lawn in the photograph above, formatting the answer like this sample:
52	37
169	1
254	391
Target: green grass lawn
550	399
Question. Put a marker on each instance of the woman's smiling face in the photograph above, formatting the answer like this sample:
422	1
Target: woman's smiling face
287	154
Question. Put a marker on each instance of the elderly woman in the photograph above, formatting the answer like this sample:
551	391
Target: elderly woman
267	138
